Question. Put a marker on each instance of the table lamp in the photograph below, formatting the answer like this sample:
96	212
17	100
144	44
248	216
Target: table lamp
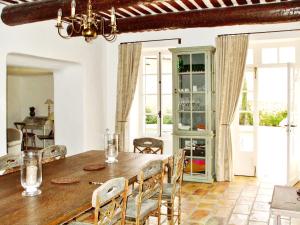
49	102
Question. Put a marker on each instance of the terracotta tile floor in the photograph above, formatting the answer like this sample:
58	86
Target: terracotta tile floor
243	201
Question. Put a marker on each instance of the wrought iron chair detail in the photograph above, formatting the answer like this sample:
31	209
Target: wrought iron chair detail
140	205
9	163
148	145
109	201
54	152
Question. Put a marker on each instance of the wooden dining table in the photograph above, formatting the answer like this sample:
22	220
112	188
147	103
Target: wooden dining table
60	203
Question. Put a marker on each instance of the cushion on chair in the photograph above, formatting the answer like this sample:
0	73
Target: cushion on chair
167	190
147	206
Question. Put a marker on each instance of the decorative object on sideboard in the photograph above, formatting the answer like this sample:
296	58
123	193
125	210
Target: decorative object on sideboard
32	111
89	25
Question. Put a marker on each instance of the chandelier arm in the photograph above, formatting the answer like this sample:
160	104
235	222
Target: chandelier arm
68	36
73	27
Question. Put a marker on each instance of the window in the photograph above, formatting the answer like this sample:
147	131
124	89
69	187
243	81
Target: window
250	57
287	55
157	92
269	55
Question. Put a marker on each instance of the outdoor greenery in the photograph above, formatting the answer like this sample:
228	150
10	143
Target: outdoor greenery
266	118
152	119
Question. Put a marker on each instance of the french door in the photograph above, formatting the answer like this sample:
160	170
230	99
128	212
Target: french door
266	137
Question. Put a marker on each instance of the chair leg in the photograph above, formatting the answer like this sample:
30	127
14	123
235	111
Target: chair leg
179	209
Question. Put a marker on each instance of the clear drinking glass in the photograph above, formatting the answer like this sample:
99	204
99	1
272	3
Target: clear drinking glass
111	142
31	172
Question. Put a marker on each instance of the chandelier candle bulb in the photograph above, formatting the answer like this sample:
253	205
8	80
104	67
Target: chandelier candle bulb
73	6
59	15
113	16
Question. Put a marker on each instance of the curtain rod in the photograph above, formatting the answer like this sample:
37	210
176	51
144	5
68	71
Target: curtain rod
260	32
167	39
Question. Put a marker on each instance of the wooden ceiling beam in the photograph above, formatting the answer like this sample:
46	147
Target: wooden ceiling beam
254	14
47	9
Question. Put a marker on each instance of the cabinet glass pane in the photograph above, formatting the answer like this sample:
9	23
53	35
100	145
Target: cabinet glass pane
184	83
198	147
184	121
198	102
194	166
184	63
198	121
185	143
198	82
198	62
184	102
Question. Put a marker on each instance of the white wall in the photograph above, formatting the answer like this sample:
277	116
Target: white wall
78	92
26	91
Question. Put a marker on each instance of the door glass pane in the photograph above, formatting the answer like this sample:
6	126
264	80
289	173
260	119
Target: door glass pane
198	62
250	57
166	65
167	112
150	84
184	83
150	104
287	55
198	82
198	102
150	65
184	121
184	102
269	55
183	63
166	85
198	121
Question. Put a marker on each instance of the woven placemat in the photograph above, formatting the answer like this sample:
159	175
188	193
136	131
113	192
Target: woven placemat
94	167
65	180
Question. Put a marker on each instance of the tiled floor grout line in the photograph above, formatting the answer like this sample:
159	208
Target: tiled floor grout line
253	204
236	200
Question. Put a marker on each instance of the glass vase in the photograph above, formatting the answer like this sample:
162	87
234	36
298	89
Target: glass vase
111	141
31	172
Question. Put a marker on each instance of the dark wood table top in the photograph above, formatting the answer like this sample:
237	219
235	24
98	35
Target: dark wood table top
60	203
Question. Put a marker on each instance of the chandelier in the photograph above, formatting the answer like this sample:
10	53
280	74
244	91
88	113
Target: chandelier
89	25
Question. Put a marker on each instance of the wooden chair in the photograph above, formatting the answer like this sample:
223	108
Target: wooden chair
27	136
109	201
53	152
173	189
148	145
140	205
9	164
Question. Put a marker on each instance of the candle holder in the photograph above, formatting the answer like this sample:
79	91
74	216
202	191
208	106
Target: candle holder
31	172
111	142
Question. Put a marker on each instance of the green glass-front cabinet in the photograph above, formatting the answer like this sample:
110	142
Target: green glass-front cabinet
194	110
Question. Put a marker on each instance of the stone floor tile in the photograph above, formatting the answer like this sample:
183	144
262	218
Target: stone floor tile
257	223
245	200
261	206
260	216
242	209
238	219
223	212
263	198
199	214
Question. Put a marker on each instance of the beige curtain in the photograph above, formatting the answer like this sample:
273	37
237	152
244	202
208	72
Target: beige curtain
230	64
129	59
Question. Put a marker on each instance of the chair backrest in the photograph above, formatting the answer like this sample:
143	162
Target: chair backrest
14	134
109	201
54	152
150	181
177	171
148	145
9	163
